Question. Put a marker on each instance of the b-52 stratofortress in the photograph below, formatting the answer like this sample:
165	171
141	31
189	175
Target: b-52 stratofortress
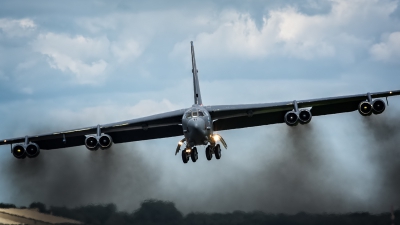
198	123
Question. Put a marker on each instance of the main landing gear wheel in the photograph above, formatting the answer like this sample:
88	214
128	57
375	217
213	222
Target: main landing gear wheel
209	153
217	151
194	154
185	157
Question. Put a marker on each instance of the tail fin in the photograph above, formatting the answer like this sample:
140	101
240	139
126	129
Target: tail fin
196	86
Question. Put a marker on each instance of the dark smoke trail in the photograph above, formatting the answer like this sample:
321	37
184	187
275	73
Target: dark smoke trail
76	176
298	169
384	140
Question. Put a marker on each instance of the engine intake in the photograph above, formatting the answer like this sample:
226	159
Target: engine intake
378	106
365	108
91	143
19	151
291	118
32	150
105	141
305	116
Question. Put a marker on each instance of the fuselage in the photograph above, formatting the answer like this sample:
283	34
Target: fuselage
197	126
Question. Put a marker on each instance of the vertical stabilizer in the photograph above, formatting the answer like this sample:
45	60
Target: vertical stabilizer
196	85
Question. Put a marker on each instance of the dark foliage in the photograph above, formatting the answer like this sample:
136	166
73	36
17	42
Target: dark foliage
157	212
154	212
38	205
7	206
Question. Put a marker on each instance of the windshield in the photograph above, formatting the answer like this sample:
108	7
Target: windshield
188	115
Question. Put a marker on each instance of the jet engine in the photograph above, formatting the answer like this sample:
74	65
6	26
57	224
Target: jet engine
95	142
378	106
105	141
91	143
32	150
18	151
304	116
365	108
292	118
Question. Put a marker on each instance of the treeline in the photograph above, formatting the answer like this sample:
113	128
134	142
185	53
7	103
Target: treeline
154	212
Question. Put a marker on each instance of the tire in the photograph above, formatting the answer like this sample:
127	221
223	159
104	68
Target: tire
217	151
208	153
185	157
194	154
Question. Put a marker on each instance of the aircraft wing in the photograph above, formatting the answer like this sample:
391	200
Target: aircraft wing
228	117
156	126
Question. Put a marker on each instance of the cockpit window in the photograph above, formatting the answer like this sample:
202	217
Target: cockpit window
201	113
194	113
188	115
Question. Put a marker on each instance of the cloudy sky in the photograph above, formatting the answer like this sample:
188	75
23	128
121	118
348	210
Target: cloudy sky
72	64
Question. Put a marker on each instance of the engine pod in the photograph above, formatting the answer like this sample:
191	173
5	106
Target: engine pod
378	106
91	143
32	150
105	141
291	118
18	151
305	116
365	108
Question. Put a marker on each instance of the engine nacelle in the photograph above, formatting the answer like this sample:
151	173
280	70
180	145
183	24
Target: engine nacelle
305	116
378	106
32	150
105	141
365	108
291	118
92	143
19	151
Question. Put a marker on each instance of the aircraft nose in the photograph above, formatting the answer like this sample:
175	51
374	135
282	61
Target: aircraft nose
197	125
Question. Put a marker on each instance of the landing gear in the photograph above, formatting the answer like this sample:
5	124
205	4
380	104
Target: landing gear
209	151
185	156
194	155
217	151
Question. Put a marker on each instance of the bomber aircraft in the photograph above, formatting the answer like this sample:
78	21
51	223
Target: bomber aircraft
198	123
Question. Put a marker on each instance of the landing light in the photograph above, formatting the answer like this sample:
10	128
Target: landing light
180	143
188	150
216	137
